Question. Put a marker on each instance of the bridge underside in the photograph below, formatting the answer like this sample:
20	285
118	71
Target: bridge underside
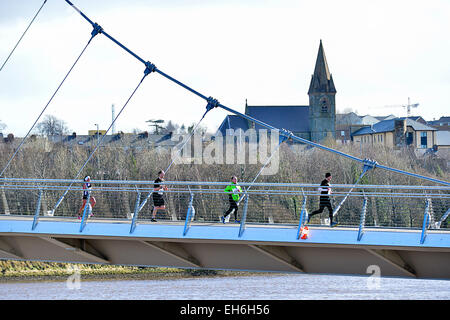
216	246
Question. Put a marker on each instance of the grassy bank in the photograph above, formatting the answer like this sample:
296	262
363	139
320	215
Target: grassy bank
51	271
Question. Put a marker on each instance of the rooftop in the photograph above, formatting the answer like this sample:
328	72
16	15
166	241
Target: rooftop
291	117
388	126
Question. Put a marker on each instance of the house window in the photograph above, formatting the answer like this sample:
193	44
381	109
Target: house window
423	139
410	138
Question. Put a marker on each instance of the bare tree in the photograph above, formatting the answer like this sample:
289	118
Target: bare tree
52	126
172	127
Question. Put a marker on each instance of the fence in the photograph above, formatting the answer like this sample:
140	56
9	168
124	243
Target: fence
268	203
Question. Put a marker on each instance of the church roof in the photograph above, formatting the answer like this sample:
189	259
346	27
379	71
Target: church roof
232	122
292	118
322	80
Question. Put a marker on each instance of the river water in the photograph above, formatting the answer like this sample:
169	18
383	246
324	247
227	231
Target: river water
254	287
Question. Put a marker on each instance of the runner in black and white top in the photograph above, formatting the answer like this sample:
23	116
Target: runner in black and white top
325	202
158	200
86	189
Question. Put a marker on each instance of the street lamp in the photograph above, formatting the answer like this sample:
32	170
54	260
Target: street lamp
98	158
96	124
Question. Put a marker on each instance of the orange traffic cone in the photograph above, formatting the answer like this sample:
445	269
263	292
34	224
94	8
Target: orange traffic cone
304	232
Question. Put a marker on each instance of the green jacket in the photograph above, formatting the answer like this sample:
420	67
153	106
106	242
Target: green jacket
233	190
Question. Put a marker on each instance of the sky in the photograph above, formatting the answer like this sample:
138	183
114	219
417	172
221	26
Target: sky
379	53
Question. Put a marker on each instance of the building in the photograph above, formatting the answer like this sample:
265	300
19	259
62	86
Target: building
443	124
348	123
443	139
139	141
315	121
397	133
416	118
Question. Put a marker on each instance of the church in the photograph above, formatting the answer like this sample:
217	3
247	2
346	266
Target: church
313	122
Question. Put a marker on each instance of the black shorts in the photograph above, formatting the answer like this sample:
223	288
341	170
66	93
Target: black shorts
158	200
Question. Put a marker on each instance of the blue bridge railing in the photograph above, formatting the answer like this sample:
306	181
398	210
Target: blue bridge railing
366	206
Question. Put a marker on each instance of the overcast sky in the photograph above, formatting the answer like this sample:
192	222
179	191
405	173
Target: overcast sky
379	53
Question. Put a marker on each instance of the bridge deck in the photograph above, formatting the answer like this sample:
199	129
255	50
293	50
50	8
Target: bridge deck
263	247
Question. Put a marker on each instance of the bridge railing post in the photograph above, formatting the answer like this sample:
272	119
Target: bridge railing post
303	218
85	210
244	217
443	218
362	220
426	221
36	212
136	212
189	215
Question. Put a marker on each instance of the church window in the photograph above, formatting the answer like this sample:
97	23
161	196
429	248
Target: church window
324	104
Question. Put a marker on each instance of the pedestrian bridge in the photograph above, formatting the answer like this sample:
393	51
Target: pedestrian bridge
402	230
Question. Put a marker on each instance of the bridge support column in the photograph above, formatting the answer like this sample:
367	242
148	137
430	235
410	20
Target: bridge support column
443	218
303	218
7	249
79	250
393	258
136	212
279	254
36	213
86	209
244	217
175	251
362	220
189	215
426	221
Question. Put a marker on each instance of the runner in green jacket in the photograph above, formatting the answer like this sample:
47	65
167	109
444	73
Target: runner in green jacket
233	191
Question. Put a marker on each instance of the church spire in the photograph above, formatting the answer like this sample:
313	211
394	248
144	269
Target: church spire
322	80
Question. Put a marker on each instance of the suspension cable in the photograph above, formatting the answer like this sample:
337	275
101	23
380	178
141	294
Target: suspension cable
148	70
369	164
283	139
212	103
93	34
29	25
294	137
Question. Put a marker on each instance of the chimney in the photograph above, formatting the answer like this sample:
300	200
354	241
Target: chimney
399	133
